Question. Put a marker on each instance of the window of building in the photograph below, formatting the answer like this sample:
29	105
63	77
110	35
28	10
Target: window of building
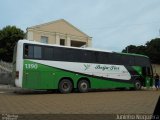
77	43
62	41
44	39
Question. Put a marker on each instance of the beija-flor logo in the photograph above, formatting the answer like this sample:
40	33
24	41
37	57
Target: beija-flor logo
87	66
108	68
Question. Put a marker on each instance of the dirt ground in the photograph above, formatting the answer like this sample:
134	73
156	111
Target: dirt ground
95	105
101	102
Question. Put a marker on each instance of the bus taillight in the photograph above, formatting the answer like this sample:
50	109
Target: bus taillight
17	74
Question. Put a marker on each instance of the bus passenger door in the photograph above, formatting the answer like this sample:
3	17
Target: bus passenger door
146	72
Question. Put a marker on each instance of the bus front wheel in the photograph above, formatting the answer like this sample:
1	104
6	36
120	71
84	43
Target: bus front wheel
137	85
83	86
65	86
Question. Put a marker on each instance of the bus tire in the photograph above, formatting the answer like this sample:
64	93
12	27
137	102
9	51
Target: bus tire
137	85
65	86
83	86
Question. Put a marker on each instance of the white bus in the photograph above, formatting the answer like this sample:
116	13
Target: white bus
41	66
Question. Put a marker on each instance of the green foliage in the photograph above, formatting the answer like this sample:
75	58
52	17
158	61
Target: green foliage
9	35
151	49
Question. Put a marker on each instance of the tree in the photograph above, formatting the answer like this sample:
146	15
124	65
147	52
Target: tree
9	35
151	49
130	49
135	49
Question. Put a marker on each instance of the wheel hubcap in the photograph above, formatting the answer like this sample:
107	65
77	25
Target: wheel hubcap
84	86
65	86
138	85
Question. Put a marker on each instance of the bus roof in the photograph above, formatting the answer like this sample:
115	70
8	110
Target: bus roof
133	54
90	49
38	43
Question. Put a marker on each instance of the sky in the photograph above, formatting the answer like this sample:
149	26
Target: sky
112	24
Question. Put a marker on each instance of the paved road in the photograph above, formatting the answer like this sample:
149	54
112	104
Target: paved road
104	102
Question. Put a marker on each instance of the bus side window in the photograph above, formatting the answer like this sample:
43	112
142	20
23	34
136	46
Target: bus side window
28	51
37	52
48	53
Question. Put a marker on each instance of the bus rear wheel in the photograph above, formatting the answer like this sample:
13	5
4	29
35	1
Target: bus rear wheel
137	85
65	86
83	86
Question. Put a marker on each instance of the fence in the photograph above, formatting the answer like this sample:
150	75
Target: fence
5	72
5	67
5	78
